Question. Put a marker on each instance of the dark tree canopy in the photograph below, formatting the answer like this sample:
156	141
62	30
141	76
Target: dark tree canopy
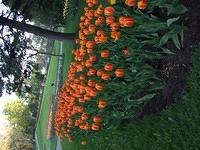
15	66
48	12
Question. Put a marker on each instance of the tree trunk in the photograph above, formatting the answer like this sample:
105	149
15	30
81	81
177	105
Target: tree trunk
50	54
37	30
44	53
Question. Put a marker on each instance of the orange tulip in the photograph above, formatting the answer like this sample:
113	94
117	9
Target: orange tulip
100	72
95	127
82	18
90	14
101	32
100	20
119	73
101	39
92	28
91	83
102	104
115	26
93	93
110	20
87	98
108	67
90	5
109	11
105	76
87	22
88	63
81	100
105	53
86	126
99	86
100	10
126	21
97	119
90	50
82	126
115	35
83	42
90	44
81	24
84	116
86	32
142	4
77	123
130	3
91	71
92	57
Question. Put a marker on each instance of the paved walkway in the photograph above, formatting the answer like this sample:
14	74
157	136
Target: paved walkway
58	144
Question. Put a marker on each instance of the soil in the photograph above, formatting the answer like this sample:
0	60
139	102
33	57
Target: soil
174	68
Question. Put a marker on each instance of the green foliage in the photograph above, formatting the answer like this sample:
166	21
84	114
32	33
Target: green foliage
19	115
45	12
71	10
48	12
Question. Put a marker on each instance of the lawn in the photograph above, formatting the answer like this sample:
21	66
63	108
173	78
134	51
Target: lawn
48	94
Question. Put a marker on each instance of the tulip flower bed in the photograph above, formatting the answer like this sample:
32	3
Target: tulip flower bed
111	75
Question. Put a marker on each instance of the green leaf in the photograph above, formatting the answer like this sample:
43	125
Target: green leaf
144	98
182	36
172	20
176	41
165	38
173	34
167	51
152	27
176	9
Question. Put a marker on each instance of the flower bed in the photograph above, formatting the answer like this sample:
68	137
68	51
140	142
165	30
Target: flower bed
112	75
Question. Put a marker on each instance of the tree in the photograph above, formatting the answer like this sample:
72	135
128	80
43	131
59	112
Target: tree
47	12
19	115
36	30
15	66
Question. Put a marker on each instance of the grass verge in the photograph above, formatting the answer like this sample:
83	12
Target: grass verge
49	91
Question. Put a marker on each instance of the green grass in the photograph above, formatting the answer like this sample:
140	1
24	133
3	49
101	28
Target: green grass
176	128
49	91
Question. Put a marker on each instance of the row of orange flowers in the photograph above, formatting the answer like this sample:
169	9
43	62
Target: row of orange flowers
79	89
